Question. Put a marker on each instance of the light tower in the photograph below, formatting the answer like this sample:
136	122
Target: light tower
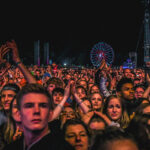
37	52
147	31
46	53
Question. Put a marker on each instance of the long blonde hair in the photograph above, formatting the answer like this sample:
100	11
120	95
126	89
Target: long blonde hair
124	120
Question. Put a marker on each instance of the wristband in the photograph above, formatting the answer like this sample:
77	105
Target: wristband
60	106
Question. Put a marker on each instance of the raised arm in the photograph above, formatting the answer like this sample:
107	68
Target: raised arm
60	106
4	65
79	101
107	120
28	76
147	91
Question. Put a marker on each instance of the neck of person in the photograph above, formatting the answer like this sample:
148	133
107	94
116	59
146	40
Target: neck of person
32	137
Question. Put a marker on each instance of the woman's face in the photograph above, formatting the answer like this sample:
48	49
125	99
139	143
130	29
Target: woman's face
6	98
96	100
114	109
77	136
81	93
94	89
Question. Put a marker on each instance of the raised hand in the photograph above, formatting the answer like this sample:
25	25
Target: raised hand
3	50
18	134
13	46
73	88
4	65
67	90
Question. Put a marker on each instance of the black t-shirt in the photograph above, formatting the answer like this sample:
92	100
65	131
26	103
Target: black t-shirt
49	142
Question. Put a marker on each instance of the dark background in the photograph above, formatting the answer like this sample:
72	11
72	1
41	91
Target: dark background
72	29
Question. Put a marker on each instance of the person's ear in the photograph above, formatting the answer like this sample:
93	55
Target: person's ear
18	116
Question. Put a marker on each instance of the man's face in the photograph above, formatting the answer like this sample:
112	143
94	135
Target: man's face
127	73
34	112
127	91
6	98
57	97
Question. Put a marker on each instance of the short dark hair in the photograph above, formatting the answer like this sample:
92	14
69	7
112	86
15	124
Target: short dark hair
33	88
54	80
58	90
110	134
140	86
75	122
122	82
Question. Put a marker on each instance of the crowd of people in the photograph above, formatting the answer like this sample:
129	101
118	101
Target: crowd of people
60	108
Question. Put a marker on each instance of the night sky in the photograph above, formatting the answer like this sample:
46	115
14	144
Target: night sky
73	29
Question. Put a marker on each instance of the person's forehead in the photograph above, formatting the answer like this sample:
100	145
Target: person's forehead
127	85
139	89
96	95
127	70
114	100
68	109
94	87
76	127
34	97
7	92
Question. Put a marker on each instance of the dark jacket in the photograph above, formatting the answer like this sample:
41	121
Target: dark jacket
49	142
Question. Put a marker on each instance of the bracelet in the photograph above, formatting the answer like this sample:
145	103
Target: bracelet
80	102
60	106
17	63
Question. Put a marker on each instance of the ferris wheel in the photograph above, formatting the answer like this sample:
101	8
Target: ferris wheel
101	51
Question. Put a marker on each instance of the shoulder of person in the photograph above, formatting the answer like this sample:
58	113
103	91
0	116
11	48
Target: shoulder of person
18	144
